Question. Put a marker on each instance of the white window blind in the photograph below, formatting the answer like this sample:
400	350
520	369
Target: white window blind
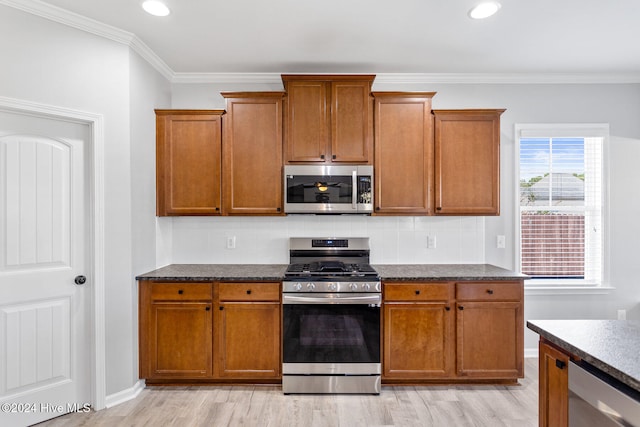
561	204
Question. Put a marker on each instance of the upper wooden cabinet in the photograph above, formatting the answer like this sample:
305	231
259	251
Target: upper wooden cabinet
328	118
252	153
188	162
403	153
467	162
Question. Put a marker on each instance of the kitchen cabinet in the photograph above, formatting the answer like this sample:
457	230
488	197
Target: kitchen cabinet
188	162
403	153
252	153
490	330
418	334
328	119
247	330
467	162
553	365
212	332
175	330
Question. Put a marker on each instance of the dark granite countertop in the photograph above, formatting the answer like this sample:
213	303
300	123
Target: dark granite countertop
226	272
613	346
397	272
459	272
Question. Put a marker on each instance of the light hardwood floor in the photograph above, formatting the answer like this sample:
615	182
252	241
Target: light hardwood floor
438	406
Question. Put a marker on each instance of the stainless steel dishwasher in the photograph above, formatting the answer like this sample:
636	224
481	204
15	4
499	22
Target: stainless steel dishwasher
595	399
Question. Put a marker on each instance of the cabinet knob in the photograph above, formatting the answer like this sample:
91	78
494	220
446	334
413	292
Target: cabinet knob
560	364
490	291
439	208
333	157
217	209
377	208
417	292
180	292
221	308
278	209
460	307
248	291
447	308
322	156
207	308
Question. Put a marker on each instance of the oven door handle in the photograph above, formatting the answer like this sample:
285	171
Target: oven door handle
375	299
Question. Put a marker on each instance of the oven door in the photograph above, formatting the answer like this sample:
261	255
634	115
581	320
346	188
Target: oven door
331	334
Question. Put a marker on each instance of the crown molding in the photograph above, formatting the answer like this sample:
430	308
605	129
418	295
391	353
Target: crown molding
63	16
71	19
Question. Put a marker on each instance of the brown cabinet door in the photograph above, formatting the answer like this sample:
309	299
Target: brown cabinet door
180	340
403	153
490	340
351	122
467	162
417	341
328	118
188	162
248	340
554	387
307	122
252	154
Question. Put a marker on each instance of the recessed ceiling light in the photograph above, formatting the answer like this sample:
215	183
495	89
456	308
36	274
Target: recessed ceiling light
484	10
156	8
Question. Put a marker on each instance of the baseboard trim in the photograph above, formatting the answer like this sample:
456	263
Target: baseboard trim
531	353
125	395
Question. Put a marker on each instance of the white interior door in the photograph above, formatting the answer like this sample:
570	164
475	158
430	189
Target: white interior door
44	318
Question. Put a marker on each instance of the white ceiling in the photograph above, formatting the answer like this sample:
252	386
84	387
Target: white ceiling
382	36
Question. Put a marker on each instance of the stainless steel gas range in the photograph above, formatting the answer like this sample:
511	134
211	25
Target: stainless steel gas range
331	318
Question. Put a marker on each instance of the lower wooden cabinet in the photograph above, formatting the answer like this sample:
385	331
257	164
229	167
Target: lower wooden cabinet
554	386
490	330
430	334
247	330
209	331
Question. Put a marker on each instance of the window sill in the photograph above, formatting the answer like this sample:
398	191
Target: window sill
567	290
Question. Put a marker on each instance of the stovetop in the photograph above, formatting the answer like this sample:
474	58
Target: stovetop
329	268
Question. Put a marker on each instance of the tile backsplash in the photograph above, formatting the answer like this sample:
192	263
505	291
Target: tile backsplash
262	240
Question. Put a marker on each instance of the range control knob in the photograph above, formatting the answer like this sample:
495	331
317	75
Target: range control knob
366	287
297	286
311	286
333	287
353	286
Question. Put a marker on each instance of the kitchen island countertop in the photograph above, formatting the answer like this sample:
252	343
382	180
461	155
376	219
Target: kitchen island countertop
613	346
390	272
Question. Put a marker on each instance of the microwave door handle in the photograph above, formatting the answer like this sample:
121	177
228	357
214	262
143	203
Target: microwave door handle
354	192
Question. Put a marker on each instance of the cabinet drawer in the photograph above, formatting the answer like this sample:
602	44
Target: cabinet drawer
489	291
417	291
181	291
249	292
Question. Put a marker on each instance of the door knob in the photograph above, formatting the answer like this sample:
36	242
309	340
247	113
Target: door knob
80	280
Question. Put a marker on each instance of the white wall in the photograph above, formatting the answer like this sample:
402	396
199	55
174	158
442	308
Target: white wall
53	64
403	240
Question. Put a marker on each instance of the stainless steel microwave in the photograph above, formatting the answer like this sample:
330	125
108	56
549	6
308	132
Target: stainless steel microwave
320	189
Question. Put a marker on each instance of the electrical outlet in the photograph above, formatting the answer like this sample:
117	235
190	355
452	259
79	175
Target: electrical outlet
622	314
231	242
500	242
431	242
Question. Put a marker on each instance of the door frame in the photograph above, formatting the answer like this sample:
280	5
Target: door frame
95	249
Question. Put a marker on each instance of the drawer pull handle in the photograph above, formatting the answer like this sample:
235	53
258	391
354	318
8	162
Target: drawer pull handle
248	291
417	292
490	291
180	292
560	364
460	307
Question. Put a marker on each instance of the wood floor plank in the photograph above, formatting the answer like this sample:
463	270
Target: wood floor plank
267	406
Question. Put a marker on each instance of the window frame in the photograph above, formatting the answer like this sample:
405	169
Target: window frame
565	130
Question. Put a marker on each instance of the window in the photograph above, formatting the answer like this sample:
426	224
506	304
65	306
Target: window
561	203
